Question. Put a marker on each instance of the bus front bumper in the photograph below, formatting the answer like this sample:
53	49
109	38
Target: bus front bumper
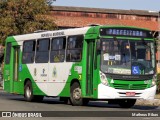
106	92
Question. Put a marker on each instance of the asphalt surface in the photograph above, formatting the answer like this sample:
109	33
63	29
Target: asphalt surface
10	102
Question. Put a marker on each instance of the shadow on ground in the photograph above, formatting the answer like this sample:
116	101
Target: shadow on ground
96	104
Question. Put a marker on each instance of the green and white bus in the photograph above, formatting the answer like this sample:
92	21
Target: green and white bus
112	63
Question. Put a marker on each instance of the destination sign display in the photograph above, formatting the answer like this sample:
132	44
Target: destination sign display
125	32
52	34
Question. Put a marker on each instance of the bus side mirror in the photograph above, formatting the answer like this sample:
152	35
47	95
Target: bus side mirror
98	45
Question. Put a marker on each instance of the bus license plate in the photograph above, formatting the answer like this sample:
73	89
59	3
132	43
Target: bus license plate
130	93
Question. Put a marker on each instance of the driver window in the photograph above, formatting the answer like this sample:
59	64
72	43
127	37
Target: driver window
141	51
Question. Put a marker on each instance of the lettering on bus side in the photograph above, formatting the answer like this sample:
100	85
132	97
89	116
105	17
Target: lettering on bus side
52	34
43	73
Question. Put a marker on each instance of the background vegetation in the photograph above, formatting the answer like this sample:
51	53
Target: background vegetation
24	16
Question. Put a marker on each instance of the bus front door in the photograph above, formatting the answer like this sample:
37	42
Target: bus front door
90	67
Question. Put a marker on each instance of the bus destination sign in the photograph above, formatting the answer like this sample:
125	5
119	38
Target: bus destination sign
125	32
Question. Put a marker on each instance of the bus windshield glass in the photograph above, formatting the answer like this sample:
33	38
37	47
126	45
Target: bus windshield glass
127	57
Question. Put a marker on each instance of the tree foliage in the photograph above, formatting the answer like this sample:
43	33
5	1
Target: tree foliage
24	16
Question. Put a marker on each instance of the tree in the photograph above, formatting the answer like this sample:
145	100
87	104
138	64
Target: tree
24	16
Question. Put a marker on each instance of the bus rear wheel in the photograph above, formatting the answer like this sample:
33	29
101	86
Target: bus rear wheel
76	95
126	103
28	93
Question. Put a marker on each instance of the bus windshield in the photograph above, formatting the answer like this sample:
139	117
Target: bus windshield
127	57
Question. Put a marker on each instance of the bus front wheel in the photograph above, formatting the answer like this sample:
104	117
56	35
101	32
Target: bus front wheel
76	95
126	103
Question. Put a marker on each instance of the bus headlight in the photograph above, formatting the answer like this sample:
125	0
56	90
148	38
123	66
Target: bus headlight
154	80
103	79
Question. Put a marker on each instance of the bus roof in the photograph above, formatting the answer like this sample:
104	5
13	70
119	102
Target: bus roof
65	32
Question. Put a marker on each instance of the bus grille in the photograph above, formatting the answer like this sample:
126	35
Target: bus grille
130	86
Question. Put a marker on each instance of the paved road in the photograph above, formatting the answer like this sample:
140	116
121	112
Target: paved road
9	102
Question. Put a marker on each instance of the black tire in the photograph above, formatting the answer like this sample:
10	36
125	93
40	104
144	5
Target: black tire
28	93
76	95
126	103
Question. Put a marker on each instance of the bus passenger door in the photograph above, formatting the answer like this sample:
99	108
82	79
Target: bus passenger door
16	52
90	67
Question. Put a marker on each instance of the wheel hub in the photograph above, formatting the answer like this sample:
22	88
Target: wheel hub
77	94
28	92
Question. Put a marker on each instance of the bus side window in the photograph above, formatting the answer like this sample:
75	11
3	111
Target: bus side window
8	53
28	51
58	49
74	48
42	50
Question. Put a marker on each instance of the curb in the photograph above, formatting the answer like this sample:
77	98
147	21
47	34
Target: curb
155	102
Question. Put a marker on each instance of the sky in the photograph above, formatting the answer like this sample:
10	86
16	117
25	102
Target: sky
150	5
